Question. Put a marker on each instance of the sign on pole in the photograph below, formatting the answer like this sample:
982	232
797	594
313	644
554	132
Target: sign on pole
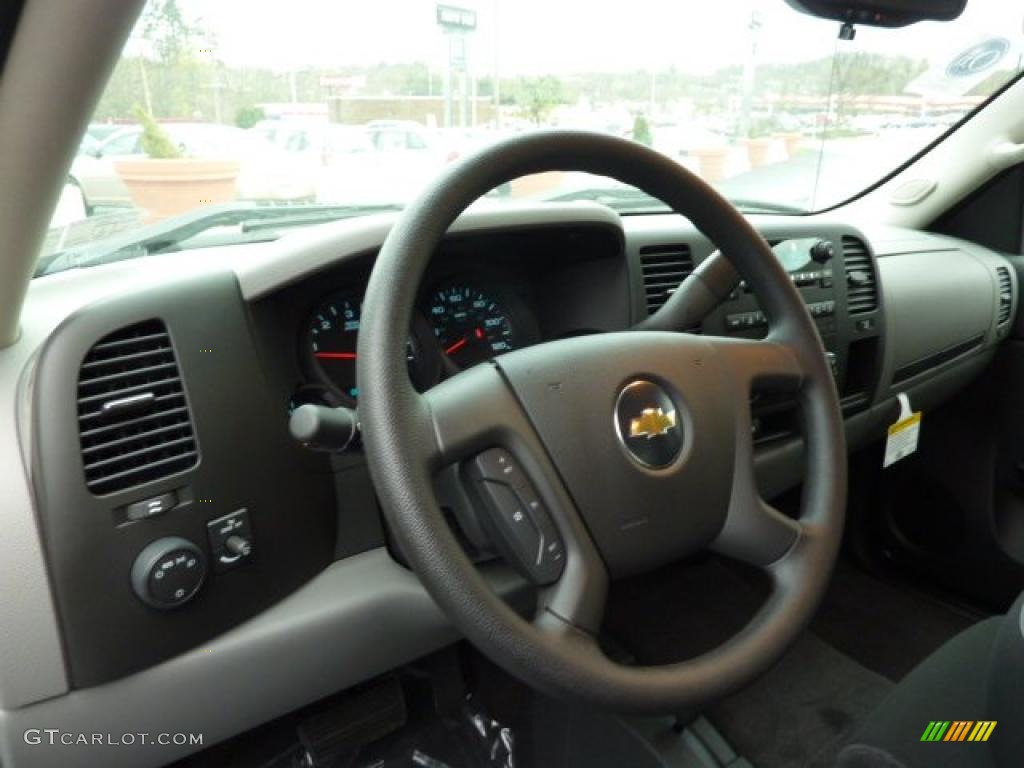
454	18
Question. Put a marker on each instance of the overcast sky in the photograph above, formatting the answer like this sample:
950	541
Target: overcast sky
563	36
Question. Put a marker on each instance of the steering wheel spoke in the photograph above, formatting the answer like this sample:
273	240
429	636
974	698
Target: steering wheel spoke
768	364
478	424
754	531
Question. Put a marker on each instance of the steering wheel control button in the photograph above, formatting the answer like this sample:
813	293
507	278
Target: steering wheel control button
146	508
516	518
230	540
648	424
168	572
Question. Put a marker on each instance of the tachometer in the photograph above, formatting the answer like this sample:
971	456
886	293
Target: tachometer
470	324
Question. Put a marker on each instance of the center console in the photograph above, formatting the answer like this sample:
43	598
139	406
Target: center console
837	277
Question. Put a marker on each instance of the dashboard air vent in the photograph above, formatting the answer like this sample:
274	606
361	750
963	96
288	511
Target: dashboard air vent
861	282
133	417
1005	294
664	267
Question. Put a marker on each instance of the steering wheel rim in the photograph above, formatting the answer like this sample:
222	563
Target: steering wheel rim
409	436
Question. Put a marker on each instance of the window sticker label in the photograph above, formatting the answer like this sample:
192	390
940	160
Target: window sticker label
904	434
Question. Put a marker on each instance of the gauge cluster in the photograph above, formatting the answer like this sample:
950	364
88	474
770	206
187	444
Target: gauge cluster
484	294
460	321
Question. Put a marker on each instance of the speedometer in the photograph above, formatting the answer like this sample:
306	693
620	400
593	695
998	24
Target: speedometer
332	339
470	324
332	335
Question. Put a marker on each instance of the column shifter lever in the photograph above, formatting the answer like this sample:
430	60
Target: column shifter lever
321	428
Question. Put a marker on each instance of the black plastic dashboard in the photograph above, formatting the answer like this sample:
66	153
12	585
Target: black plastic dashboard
235	348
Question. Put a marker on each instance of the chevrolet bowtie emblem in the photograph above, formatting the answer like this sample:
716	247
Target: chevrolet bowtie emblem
652	422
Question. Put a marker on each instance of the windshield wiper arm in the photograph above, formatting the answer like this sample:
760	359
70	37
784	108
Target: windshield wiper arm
748	205
167	235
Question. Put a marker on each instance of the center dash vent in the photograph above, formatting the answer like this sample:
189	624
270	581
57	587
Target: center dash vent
861	281
664	267
1005	294
133	417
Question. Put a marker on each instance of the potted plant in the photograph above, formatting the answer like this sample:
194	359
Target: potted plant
791	140
166	182
712	162
758	142
757	150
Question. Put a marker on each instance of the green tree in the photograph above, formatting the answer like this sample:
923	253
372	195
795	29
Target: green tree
642	130
537	96
248	116
171	87
168	30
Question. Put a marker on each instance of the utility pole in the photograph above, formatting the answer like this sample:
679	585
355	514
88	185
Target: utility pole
496	87
750	75
146	95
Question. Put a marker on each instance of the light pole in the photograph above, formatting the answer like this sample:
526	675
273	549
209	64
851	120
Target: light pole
750	75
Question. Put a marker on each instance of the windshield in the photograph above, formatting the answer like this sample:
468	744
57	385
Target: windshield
336	109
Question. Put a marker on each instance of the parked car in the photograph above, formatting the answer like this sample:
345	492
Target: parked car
383	161
95	180
98	132
267	172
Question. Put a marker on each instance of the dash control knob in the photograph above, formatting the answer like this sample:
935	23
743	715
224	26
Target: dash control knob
823	251
168	572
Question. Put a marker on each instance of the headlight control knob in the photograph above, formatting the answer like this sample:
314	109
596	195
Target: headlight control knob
168	572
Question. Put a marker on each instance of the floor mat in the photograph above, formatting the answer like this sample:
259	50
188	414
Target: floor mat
803	712
887	627
800	713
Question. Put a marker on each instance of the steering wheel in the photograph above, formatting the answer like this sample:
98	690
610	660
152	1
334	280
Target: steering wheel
636	446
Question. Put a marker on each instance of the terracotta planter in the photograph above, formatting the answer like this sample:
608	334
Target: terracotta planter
712	162
791	141
165	188
537	183
757	151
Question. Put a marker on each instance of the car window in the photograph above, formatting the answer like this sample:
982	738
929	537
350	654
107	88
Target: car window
767	104
415	141
389	141
122	144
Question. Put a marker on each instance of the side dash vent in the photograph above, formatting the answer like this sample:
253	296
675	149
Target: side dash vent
1005	294
861	281
664	267
133	418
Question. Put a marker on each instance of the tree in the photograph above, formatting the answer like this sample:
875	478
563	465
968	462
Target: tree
173	40
247	117
537	96
642	130
166	28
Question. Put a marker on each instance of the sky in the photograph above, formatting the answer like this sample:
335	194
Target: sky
531	37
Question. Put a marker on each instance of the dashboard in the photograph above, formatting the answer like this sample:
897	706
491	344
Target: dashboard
483	296
177	552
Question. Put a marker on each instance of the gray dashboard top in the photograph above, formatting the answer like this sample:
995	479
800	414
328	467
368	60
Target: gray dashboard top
240	674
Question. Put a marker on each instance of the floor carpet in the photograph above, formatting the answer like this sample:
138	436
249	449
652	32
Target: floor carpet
868	634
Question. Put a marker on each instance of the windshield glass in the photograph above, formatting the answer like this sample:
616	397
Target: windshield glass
254	111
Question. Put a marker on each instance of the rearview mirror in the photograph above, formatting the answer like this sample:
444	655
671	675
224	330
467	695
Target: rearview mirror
882	13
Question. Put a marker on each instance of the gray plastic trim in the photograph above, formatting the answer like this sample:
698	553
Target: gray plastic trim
308	251
938	291
933	301
360	617
361	612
